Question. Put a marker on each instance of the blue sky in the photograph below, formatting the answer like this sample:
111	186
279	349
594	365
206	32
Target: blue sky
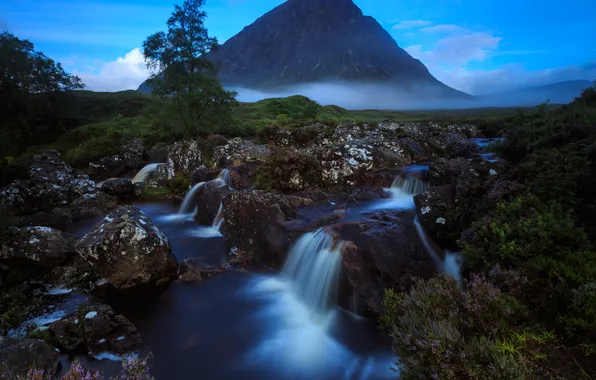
477	46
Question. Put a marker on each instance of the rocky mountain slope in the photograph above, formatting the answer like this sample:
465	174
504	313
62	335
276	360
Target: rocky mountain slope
305	41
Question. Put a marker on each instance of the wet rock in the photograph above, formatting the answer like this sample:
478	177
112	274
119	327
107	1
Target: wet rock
75	273
238	151
452	145
194	270
253	221
121	188
38	246
107	167
96	329
204	175
434	211
17	358
184	156
383	252
138	188
209	199
128	250
342	165
132	153
160	176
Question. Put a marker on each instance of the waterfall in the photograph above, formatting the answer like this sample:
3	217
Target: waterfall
428	244
224	176
313	264
143	173
218	220
187	205
452	265
409	185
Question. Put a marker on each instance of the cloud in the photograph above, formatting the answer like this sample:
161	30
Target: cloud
409	24
125	73
443	28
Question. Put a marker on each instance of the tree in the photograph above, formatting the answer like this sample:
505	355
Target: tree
184	76
31	88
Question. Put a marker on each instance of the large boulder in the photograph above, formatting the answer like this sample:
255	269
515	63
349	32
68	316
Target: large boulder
107	167
128	250
238	151
160	176
254	222
17	358
194	270
132	153
121	188
96	329
184	156
38	246
383	251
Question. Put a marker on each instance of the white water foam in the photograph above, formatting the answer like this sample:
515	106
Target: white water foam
142	175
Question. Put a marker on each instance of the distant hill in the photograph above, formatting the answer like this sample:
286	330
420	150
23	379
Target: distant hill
308	41
558	93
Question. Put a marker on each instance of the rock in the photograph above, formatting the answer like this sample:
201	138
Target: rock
253	222
121	188
194	270
132	154
238	151
383	252
157	153
128	250
204	175
434	211
159	177
96	329
107	167
184	156
38	246
17	358
209	199
76	273
138	188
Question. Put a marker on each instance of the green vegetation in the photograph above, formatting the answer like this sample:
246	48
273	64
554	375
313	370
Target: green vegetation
155	193
528	305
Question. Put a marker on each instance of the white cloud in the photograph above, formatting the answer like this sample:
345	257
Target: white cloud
125	73
443	28
408	24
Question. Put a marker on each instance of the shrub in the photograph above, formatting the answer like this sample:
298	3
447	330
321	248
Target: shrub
179	184
442	332
289	170
519	230
579	319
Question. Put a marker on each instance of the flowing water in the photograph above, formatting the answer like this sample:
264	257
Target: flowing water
188	204
142	175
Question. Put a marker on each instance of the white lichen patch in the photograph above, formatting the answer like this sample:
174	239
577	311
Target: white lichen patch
91	315
441	220
425	210
492	172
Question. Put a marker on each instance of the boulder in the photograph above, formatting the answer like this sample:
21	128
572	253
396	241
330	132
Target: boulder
383	251
121	188
160	176
107	167
184	156
17	358
96	329
238	151
194	270
435	210
209	199
138	188
132	153
38	246
157	153
204	175
128	250
253	222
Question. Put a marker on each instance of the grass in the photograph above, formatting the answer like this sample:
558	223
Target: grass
154	193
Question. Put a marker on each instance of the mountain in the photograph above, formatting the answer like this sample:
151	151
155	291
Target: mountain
558	93
307	41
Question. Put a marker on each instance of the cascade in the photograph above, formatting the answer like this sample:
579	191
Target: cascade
224	176
144	172
187	205
218	220
313	265
409	185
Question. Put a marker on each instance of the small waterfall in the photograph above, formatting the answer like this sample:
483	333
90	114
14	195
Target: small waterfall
224	176
452	265
313	264
428	244
143	173
187	205
218	220
409	185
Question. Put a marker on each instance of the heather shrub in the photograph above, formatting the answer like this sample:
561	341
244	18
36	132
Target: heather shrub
179	184
78	372
442	332
518	230
580	319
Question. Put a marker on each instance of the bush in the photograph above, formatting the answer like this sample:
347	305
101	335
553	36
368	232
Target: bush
442	332
289	170
520	230
581	316
179	184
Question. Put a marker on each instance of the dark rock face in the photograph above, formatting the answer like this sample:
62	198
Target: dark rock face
39	246
204	175
97	329
128	250
304	41
130	158
237	151
159	177
132	153
121	188
184	156
107	167
54	194
194	270
382	252
19	357
253	222
209	198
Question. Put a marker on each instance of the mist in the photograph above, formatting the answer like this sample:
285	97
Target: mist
416	97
